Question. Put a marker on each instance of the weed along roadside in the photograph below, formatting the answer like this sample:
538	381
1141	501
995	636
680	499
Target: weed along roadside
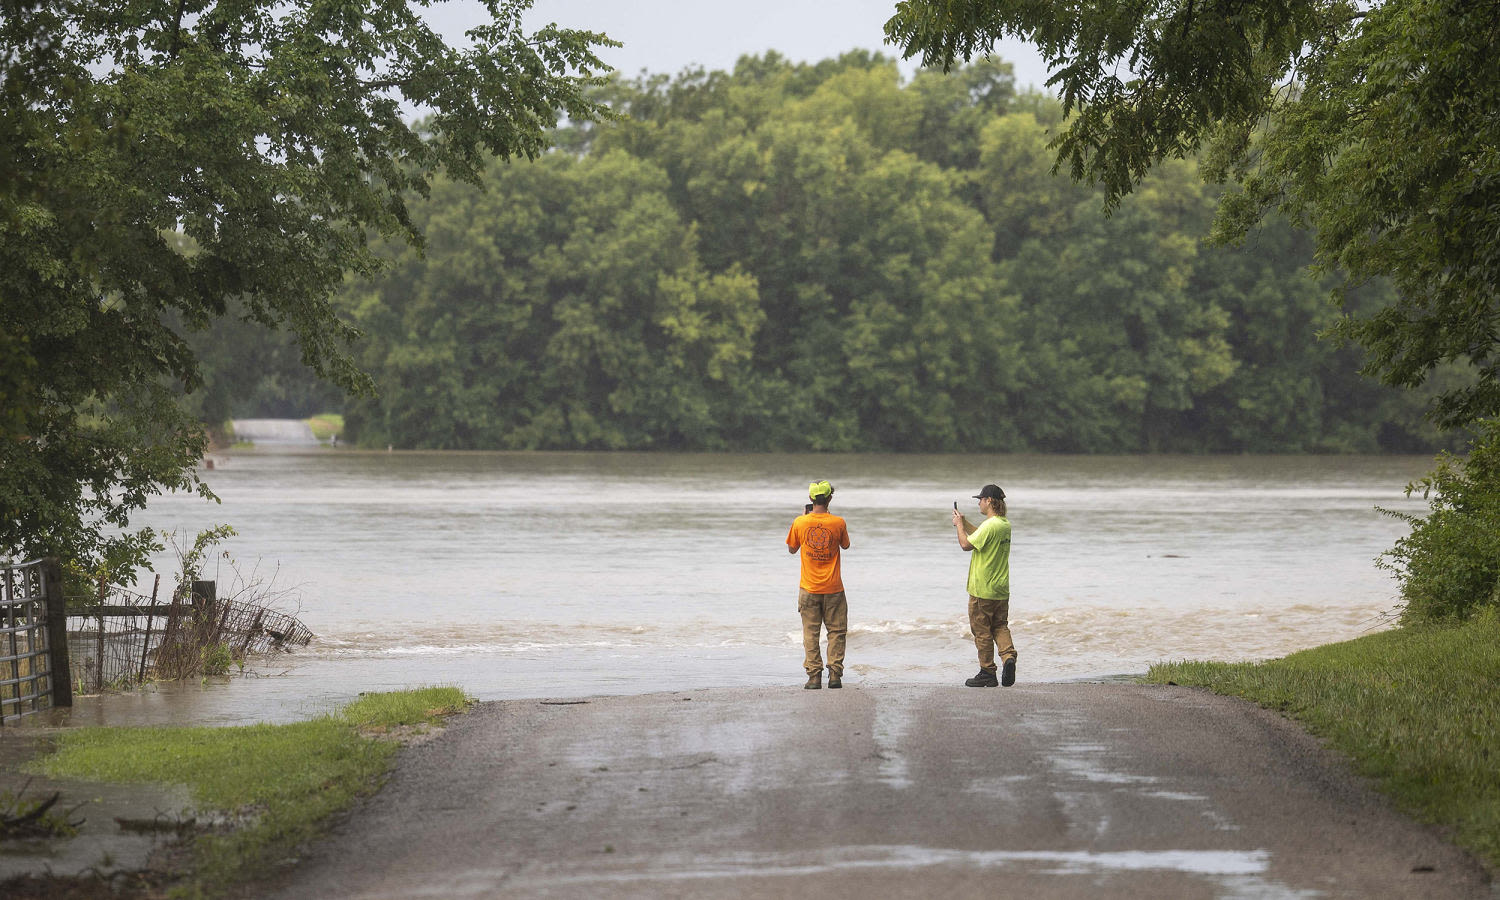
1416	709
249	795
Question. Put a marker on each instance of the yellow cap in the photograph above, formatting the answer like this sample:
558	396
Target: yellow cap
819	489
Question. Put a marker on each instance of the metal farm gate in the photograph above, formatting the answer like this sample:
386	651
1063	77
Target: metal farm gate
34	672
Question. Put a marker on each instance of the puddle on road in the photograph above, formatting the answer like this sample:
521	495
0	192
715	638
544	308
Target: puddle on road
1087	762
892	721
101	845
1238	871
1001	788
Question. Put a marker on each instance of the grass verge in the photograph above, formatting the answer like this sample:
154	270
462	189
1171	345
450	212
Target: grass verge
326	425
280	781
1417	709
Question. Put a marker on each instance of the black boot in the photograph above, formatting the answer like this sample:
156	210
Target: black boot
1008	674
985	678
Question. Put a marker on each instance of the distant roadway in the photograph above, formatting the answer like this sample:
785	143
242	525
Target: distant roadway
1035	791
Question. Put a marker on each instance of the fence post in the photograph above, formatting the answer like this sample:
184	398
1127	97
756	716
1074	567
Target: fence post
206	597
99	641
205	612
57	633
146	640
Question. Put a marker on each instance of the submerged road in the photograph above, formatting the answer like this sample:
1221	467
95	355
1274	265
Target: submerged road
1044	790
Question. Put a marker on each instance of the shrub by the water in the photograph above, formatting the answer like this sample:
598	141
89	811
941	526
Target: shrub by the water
1449	566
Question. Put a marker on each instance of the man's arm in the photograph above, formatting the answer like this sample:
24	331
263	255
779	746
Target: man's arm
964	530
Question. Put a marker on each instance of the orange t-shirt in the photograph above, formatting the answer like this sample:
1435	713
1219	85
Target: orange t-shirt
819	536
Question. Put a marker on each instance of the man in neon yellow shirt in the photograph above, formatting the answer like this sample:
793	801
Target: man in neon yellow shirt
989	586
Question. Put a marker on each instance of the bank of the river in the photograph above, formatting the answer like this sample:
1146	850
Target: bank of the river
271	788
1416	709
326	426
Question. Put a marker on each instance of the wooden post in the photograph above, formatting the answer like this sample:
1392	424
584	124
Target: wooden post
146	640
251	632
205	612
206	595
99	643
172	615
61	674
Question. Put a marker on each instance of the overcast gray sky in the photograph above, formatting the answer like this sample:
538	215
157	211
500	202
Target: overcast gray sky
670	35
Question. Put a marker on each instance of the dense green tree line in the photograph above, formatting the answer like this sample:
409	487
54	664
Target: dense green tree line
831	257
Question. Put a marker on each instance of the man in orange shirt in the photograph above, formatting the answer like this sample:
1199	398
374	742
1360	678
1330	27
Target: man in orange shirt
820	536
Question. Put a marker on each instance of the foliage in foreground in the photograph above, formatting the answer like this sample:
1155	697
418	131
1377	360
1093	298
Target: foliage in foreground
283	779
160	160
1373	122
1449	566
1415	708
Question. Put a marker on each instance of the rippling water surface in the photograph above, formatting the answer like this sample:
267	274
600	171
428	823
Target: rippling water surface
558	574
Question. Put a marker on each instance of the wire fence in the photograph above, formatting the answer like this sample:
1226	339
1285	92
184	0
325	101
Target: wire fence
25	658
120	638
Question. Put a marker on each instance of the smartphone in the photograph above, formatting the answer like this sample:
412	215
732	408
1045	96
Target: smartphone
955	506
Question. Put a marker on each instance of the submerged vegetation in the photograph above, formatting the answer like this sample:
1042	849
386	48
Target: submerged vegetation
211	622
1415	709
29	817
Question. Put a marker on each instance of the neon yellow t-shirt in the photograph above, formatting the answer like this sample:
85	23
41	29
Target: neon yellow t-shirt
989	562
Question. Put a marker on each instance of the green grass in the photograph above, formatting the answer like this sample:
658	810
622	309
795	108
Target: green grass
1417	709
286	779
326	425
405	708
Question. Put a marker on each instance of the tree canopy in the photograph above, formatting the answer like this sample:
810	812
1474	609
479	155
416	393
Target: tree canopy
1375	123
788	257
166	162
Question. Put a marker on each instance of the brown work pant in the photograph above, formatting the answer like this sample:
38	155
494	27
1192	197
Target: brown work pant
989	620
817	611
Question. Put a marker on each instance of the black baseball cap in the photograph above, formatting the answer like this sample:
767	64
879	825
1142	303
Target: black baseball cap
992	491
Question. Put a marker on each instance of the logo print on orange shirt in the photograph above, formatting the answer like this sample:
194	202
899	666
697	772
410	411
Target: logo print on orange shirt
819	543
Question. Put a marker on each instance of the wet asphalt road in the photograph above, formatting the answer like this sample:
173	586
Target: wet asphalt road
1046	790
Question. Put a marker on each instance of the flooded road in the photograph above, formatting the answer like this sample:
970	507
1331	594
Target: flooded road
880	791
573	574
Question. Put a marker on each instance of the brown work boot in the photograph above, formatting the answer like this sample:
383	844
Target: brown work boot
834	683
814	682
